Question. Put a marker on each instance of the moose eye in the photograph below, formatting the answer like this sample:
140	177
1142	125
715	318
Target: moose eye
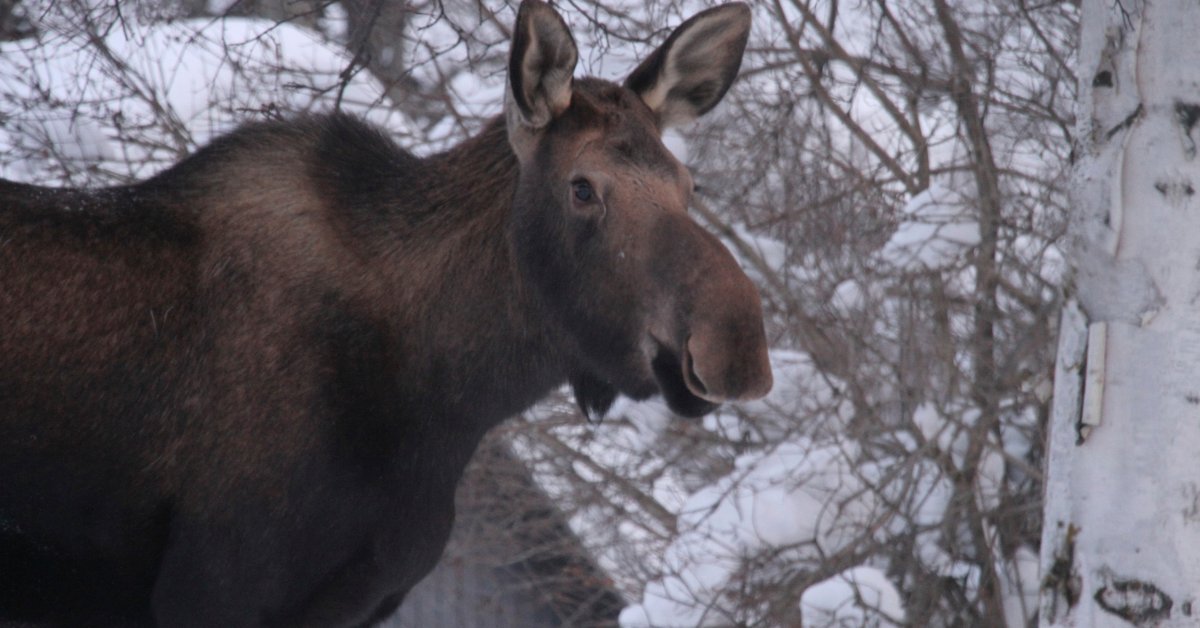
582	190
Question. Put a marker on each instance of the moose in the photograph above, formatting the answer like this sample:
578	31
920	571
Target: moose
242	392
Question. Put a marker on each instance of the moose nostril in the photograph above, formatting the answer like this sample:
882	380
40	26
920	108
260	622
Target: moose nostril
691	372
725	374
690	377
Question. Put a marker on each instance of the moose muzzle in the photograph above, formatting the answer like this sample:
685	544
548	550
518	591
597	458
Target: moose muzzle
718	319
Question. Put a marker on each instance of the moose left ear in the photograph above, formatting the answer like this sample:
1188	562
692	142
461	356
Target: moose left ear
690	73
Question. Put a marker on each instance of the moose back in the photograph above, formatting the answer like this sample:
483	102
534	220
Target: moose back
241	393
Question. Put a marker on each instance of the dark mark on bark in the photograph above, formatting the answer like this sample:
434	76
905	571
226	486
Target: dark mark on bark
1175	190
1061	581
1134	601
1188	114
1126	123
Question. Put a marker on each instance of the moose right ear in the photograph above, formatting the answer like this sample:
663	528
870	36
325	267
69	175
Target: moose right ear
540	67
690	73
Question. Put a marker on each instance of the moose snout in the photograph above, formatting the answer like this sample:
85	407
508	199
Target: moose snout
719	337
726	360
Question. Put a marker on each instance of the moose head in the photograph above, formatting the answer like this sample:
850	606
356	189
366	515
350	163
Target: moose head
651	302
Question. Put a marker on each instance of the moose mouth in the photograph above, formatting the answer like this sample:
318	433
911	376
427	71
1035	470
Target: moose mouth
674	377
679	384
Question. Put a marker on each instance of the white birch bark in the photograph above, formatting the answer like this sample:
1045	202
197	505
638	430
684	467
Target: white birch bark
1121	543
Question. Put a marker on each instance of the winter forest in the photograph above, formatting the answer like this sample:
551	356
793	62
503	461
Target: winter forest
897	179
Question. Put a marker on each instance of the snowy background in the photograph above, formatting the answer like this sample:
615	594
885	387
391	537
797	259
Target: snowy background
890	173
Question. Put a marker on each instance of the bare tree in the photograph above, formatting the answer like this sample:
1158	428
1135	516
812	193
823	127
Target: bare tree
1122	488
894	174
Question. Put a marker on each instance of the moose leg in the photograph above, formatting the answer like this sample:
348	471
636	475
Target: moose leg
386	608
348	598
206	580
372	583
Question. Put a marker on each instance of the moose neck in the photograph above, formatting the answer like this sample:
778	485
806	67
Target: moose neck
495	347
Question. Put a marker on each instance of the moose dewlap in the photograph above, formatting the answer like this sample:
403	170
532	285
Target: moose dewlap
241	393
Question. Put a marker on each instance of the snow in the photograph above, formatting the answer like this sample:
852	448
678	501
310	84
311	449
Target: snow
80	139
779	498
935	231
1020	582
677	144
800	390
774	495
861	596
334	22
174	86
849	295
772	251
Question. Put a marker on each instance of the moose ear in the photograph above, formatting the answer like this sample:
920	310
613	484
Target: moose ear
539	68
690	73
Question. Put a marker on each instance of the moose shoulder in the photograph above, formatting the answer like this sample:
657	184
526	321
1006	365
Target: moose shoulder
241	393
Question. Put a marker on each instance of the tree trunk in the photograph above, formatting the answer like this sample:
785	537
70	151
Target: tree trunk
1121	542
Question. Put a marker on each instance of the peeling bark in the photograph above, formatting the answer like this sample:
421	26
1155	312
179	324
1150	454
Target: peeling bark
1122	501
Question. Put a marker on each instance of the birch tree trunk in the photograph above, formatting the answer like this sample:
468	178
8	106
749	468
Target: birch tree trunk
1121	543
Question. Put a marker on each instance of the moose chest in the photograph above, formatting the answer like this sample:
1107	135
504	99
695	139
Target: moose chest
332	551
299	481
336	513
322	556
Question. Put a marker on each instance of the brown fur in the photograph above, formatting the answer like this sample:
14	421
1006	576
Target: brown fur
241	393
